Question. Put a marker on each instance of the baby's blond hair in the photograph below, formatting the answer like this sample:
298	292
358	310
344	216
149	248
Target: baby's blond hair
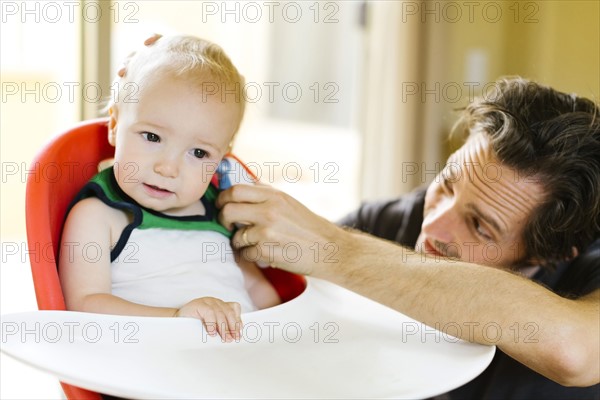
196	60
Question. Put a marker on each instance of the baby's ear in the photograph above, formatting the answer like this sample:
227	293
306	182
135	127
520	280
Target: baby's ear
112	125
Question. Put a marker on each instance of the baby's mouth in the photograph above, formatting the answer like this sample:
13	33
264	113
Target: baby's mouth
157	191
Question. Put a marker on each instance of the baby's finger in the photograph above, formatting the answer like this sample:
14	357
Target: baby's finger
210	321
234	320
223	326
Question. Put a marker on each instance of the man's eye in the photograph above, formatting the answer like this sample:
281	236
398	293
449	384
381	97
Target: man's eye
447	185
199	153
151	137
480	230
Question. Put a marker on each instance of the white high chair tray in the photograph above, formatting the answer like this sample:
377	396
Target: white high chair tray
327	343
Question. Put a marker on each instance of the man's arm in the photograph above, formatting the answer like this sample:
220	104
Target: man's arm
554	336
557	337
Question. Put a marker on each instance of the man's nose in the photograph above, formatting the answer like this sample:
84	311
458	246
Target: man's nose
442	223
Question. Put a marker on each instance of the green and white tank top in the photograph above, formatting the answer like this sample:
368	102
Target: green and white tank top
167	261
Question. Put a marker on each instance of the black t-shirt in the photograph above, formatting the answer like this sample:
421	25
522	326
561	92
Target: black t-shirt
401	219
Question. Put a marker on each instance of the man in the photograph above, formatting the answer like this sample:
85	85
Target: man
508	233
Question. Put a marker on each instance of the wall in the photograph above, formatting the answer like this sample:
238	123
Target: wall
562	49
40	95
553	42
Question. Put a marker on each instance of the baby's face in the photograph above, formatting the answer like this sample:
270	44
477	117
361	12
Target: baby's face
169	142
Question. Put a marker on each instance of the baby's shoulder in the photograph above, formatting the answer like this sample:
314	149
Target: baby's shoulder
92	206
95	212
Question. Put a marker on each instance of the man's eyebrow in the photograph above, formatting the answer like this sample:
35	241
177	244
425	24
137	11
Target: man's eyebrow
485	217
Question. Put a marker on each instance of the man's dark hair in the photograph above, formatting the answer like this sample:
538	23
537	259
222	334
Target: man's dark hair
553	138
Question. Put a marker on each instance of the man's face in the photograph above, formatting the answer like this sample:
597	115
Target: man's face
476	209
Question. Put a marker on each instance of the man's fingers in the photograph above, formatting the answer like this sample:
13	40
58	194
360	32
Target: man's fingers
240	215
241	238
238	205
244	194
123	69
148	42
152	39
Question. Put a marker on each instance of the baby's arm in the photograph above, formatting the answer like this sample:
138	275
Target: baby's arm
85	274
262	293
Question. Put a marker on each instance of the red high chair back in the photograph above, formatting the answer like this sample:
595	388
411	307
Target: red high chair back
60	170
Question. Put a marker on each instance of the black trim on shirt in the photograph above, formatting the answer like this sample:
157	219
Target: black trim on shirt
209	209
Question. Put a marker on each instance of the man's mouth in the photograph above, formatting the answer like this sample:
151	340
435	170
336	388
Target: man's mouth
431	249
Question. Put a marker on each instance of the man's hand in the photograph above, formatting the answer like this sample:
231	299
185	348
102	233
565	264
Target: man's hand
148	42
280	231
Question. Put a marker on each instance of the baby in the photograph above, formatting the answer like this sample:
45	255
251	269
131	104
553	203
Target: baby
152	213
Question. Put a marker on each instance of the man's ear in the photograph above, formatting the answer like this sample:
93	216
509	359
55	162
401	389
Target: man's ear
112	125
574	254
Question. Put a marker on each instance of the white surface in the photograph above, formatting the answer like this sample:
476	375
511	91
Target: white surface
18	380
327	343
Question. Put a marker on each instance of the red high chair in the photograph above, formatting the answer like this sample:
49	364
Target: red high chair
60	171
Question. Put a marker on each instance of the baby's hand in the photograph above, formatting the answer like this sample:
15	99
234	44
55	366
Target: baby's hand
218	316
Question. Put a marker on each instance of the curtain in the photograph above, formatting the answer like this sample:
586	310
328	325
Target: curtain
392	112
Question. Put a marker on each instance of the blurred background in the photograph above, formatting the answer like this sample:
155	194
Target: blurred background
348	100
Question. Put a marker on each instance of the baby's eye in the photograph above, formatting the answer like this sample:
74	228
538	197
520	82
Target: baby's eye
151	137
199	153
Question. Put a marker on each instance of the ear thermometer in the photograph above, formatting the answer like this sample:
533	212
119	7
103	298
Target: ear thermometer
230	172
